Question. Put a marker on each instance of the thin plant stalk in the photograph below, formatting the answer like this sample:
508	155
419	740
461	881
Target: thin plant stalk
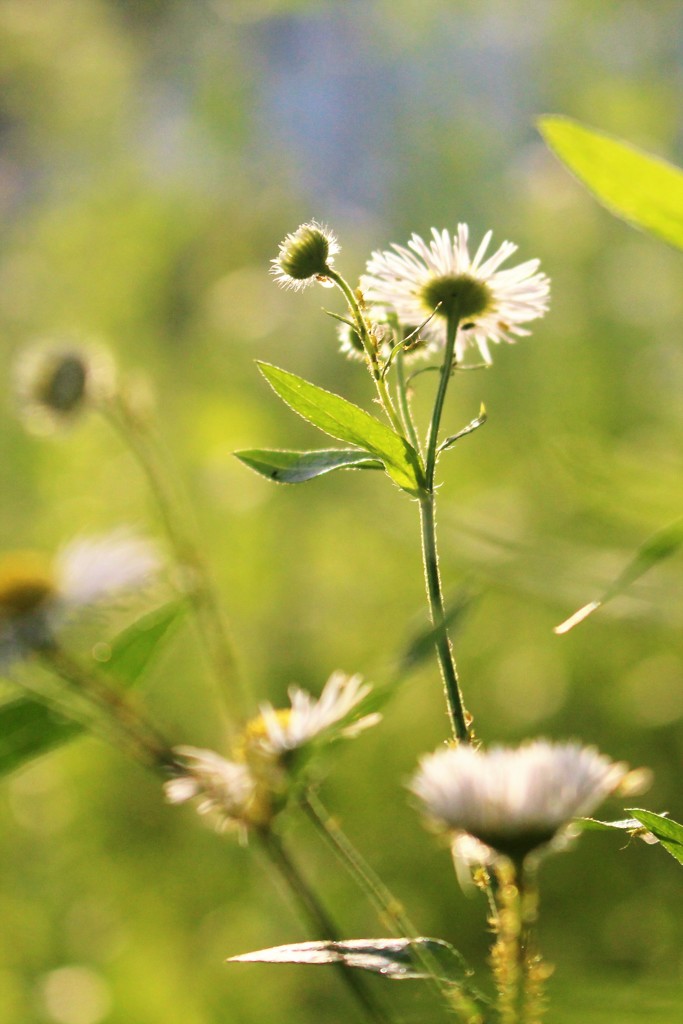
459	717
403	403
370	351
390	909
146	742
176	519
535	972
320	921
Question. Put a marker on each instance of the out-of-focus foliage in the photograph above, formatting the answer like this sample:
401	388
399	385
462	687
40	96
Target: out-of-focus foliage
646	191
152	155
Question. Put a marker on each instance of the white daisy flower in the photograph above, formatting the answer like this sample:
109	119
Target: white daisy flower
37	597
308	719
432	280
226	788
306	255
56	381
512	800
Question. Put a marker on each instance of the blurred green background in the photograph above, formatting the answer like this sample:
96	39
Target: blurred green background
152	155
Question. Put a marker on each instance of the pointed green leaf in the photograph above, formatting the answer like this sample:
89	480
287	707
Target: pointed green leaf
297	467
28	728
347	422
398	959
675	849
660	545
660	825
642	189
132	651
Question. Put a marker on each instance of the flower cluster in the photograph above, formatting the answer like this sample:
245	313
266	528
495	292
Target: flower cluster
270	754
422	286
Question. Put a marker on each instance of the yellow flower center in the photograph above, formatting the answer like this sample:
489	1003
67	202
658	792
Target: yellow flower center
267	770
25	584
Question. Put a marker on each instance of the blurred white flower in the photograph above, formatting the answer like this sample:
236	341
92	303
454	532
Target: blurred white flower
252	788
435	279
95	568
37	597
512	800
305	256
307	720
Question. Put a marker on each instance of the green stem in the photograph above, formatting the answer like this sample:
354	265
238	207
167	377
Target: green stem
404	403
208	613
444	379
534	971
430	555
320	921
444	651
370	350
506	954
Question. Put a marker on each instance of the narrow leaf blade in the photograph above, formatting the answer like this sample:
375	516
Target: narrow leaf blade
421	646
397	959
286	467
473	425
639	188
347	422
29	729
655	549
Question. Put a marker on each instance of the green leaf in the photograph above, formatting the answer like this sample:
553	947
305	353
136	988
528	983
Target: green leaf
642	189
660	824
297	467
660	545
28	728
398	959
473	425
347	422
132	650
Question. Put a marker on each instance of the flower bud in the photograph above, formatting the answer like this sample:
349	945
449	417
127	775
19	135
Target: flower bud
57	381
305	256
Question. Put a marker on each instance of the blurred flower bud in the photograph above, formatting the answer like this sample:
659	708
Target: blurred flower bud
56	381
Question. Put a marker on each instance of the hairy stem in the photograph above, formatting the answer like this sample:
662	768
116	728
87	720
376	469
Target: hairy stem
370	351
444	650
404	403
